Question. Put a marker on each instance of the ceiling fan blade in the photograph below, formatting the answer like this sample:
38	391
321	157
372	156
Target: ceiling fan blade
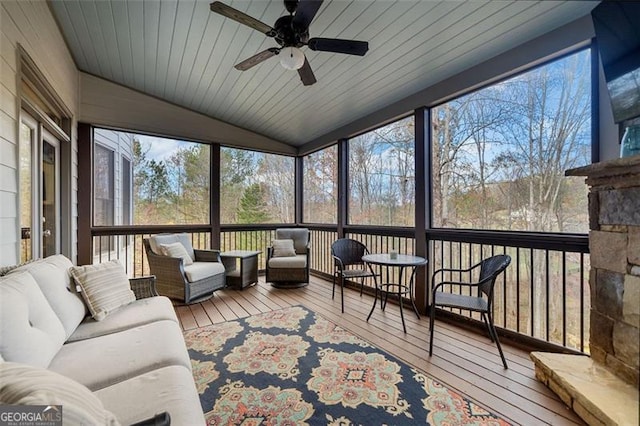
306	74
257	58
243	18
305	13
350	47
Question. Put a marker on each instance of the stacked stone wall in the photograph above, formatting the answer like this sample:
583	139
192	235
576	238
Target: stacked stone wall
614	243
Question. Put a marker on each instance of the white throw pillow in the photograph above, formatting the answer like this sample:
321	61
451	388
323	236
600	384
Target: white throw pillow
176	250
283	248
27	385
104	287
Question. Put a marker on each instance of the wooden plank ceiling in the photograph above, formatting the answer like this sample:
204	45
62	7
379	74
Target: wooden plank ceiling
180	51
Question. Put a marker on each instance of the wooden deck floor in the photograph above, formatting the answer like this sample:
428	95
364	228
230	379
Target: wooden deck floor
463	360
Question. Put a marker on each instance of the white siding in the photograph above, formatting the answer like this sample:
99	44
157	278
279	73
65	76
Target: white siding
30	24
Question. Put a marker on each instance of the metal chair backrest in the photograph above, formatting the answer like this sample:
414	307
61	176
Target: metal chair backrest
349	251
490	268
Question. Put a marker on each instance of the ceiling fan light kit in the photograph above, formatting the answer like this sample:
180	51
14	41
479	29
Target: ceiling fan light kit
291	58
291	32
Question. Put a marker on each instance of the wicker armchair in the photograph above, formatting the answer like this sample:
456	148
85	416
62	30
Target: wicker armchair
293	271
190	283
144	287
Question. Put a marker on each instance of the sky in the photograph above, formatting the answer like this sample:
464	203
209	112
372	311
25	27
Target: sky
160	148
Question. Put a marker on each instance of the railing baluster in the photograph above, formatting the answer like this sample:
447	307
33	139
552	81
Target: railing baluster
518	289
532	296
564	298
582	316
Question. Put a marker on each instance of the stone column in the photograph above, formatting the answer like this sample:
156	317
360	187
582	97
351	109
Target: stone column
614	243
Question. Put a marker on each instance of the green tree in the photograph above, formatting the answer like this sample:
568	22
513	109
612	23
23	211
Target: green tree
237	166
189	176
253	208
151	187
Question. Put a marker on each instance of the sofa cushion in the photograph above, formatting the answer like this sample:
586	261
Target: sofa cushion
140	312
170	389
30	331
105	287
52	276
27	385
201	270
156	240
102	361
176	250
283	248
298	261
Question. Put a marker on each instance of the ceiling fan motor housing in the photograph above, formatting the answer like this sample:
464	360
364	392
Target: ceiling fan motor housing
288	35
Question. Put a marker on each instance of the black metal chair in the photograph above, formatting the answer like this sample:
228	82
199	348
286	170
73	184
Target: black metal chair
347	255
490	268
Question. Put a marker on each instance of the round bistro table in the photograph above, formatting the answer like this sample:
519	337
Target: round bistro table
401	261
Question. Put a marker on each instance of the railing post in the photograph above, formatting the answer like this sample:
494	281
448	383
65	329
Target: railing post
85	179
343	186
422	182
299	190
214	197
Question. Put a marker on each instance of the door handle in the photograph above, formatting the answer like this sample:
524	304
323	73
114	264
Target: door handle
46	233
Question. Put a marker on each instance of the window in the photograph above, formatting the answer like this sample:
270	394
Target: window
499	154
161	181
103	182
256	187
381	176
171	181
320	183
126	191
103	194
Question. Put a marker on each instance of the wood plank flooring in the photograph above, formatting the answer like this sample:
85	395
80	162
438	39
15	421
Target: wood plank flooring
463	360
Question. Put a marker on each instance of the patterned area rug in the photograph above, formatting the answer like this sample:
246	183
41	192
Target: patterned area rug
293	367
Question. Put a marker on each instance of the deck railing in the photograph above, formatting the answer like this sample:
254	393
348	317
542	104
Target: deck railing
544	294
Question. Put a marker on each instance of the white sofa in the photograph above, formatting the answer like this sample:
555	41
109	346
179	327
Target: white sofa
134	360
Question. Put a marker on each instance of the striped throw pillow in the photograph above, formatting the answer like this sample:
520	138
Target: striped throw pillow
26	385
104	287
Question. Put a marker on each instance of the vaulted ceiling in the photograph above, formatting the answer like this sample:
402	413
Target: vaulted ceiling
179	51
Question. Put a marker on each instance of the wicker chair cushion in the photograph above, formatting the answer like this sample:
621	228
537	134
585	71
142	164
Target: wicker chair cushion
176	250
297	261
283	248
156	240
201	270
105	287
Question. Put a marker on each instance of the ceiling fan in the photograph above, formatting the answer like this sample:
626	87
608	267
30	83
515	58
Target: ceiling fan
291	32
